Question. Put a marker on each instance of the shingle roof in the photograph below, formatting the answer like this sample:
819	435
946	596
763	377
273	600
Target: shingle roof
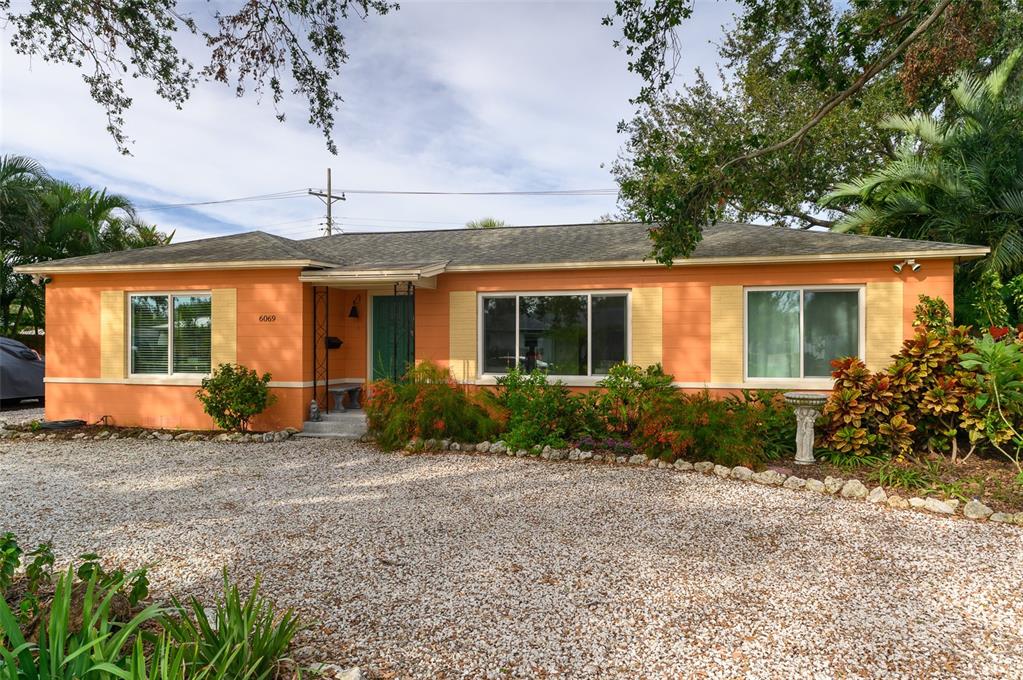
511	246
252	246
594	243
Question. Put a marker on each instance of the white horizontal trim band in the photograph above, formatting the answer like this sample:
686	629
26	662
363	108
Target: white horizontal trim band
183	382
760	385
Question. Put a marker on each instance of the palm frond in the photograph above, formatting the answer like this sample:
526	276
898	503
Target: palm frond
997	79
921	125
1012	202
970	94
859	221
1006	256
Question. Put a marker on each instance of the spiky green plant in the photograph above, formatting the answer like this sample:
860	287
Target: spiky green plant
244	639
69	647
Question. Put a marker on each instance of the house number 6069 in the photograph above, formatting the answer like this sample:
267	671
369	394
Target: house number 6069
267	318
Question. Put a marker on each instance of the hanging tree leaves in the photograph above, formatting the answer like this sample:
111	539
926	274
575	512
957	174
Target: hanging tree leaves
279	46
835	56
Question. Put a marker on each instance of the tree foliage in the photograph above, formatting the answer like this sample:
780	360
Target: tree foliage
273	46
792	67
955	176
671	146
45	219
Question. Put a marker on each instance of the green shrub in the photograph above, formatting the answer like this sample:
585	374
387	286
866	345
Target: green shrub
997	411
616	409
427	404
771	421
10	558
698	427
233	395
540	413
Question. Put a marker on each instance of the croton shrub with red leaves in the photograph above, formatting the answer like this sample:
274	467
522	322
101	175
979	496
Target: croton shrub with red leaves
924	401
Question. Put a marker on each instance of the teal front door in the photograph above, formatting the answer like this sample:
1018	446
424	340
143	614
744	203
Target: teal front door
393	345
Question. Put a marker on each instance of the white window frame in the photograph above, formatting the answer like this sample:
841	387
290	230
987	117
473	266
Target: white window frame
571	380
802	380
170	333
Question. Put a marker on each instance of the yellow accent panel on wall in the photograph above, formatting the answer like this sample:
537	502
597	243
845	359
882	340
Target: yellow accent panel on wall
462	334
224	334
112	331
726	334
884	323
647	326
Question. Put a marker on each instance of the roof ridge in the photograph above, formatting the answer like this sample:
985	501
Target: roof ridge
290	244
466	230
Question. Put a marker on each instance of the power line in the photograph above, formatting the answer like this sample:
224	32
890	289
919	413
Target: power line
294	193
555	192
388	220
298	193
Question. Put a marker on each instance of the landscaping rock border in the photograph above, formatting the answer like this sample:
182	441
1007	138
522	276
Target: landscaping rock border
112	433
848	489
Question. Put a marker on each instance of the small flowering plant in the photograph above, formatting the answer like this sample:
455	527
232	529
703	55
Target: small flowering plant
427	404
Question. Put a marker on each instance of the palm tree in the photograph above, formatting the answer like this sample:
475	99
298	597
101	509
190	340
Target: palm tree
955	178
485	223
44	219
22	182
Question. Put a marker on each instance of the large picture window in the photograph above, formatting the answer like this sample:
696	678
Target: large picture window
563	334
170	334
798	332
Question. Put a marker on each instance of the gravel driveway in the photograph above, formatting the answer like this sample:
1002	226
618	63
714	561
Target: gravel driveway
458	566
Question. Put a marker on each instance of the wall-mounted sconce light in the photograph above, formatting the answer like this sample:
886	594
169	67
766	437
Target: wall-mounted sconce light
912	264
353	313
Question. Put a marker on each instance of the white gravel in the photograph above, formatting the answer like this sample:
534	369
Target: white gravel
25	412
458	566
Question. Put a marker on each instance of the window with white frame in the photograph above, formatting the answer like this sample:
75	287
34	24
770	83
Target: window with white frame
563	334
170	333
798	332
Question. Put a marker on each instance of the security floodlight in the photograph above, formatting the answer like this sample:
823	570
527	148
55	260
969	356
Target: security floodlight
911	263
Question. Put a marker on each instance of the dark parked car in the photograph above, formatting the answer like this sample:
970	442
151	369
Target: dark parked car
21	372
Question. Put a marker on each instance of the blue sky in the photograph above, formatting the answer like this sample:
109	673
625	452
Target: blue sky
444	96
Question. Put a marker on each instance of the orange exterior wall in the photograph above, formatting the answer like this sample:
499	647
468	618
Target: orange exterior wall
284	347
348	361
686	298
73	348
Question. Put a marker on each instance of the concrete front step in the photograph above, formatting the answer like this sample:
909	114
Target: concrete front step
339	424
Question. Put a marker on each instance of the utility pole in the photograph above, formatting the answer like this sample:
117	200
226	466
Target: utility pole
329	199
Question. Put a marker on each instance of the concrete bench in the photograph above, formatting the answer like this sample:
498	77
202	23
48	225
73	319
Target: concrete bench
339	392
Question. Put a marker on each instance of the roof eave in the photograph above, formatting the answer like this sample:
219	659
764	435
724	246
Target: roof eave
971	253
374	275
406	274
53	267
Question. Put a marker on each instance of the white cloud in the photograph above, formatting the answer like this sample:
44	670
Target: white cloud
439	96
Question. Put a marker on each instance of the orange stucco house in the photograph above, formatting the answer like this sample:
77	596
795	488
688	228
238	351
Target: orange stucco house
129	335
